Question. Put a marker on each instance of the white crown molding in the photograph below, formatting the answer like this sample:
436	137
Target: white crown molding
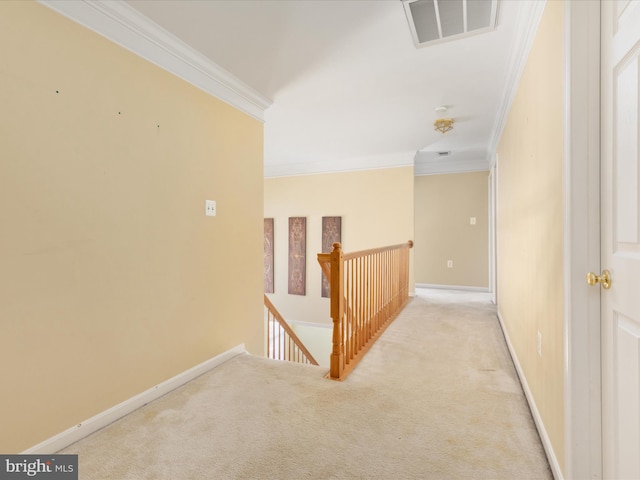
343	165
467	167
528	21
124	25
448	165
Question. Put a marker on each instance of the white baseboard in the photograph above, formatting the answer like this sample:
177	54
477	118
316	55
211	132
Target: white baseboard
546	442
101	420
453	287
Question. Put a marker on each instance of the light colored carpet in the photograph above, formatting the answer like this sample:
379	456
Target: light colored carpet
437	397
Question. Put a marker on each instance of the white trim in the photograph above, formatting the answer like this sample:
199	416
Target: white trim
126	26
493	204
465	20
544	437
101	420
438	20
528	20
469	166
581	249
310	324
452	287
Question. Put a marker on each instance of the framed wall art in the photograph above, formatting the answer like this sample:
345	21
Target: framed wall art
331	233
297	255
268	256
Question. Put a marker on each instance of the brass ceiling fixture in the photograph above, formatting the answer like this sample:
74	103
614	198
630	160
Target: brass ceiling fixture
443	124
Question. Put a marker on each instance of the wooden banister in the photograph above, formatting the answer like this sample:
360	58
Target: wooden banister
368	290
282	341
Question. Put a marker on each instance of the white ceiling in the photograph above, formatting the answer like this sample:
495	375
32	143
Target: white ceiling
349	88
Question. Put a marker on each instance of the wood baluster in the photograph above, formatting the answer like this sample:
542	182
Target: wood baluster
268	334
349	309
370	294
282	342
362	338
346	339
354	306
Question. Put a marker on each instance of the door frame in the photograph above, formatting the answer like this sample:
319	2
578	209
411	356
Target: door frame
493	193
581	224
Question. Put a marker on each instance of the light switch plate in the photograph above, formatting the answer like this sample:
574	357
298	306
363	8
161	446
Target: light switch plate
210	208
472	220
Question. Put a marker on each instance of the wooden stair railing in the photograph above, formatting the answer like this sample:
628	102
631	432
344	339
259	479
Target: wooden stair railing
368	290
282	342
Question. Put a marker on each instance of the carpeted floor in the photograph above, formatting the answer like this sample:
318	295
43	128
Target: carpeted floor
437	397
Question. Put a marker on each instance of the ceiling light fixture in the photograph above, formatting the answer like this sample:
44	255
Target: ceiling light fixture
443	125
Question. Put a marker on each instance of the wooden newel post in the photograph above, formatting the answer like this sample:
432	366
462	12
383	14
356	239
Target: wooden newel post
337	311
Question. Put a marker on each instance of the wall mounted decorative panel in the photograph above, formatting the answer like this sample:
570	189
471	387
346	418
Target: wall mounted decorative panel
331	233
297	255
268	255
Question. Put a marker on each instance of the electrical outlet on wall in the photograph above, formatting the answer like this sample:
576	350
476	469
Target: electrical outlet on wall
449	263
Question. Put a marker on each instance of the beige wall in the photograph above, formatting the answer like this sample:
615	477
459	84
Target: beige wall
112	279
529	223
376	207
444	205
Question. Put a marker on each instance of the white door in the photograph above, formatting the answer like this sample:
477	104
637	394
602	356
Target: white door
620	211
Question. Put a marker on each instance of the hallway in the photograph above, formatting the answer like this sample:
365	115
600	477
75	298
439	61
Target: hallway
436	397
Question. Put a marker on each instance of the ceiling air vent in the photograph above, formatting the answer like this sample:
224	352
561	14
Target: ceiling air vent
433	21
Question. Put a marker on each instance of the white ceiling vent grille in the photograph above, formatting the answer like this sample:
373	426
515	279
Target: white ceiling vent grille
433	21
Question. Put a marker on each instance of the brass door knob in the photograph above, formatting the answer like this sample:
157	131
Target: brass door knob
604	279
